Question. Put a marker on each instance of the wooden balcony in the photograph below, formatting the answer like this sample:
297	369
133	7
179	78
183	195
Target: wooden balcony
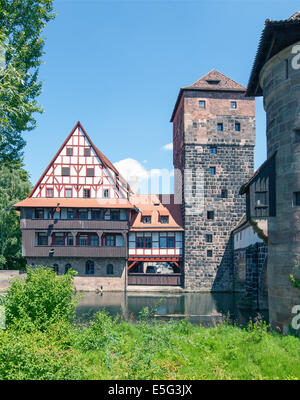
73	224
155	279
75	251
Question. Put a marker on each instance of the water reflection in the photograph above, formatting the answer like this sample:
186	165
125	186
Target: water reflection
199	308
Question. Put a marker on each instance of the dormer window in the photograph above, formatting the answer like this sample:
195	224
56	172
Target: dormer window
146	219
164	219
212	82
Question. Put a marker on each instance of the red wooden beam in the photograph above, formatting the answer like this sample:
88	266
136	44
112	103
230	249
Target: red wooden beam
131	265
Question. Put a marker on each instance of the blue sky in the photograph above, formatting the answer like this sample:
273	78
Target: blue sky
117	66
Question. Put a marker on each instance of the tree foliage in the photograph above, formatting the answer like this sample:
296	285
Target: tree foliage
21	49
14	186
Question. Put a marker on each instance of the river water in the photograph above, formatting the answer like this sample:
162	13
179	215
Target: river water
199	308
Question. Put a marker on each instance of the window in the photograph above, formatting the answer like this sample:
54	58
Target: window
164	219
109	269
115	215
106	193
286	68
65	171
58	239
89	268
297	135
82	213
69	151
83	240
70	239
237	127
166	242
71	213
213	150
139	242
220	126
87	151
224	193
42	239
96	214
39	213
212	82
210	214
86	193
146	219
67	267
194	124
49	192
110	240
208	238
148	242
107	215
212	170
209	253
90	172
296	198
260	198
94	239
201	103
68	192
233	104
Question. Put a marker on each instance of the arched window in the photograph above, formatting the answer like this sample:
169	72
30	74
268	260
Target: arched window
67	267
55	268
109	269
89	268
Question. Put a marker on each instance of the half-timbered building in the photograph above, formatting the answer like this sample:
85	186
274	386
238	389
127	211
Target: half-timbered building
79	215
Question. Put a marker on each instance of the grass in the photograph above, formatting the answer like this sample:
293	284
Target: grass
41	341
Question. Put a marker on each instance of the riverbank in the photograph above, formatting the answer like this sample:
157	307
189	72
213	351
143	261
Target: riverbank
42	340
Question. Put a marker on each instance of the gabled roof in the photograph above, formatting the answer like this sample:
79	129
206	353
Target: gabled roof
104	160
156	206
212	81
276	36
215	80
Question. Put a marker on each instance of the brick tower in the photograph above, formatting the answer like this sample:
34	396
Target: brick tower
214	138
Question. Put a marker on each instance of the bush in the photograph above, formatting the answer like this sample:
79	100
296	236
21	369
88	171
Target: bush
35	355
40	300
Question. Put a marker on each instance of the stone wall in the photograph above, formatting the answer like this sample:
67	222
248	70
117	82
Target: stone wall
250	276
209	265
281	90
99	281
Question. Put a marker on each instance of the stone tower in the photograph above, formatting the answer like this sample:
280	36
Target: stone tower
276	76
213	138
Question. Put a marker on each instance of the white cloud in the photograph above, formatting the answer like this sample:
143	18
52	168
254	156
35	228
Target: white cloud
168	147
142	180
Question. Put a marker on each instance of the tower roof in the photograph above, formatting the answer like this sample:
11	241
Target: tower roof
212	81
215	80
276	36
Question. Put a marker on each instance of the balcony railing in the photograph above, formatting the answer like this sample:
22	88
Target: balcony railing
70	224
75	251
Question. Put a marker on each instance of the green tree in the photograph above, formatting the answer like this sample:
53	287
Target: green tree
14	186
21	50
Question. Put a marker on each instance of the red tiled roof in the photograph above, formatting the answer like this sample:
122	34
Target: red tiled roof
155	206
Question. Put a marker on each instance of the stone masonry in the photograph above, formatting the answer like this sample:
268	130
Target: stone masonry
212	178
100	280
